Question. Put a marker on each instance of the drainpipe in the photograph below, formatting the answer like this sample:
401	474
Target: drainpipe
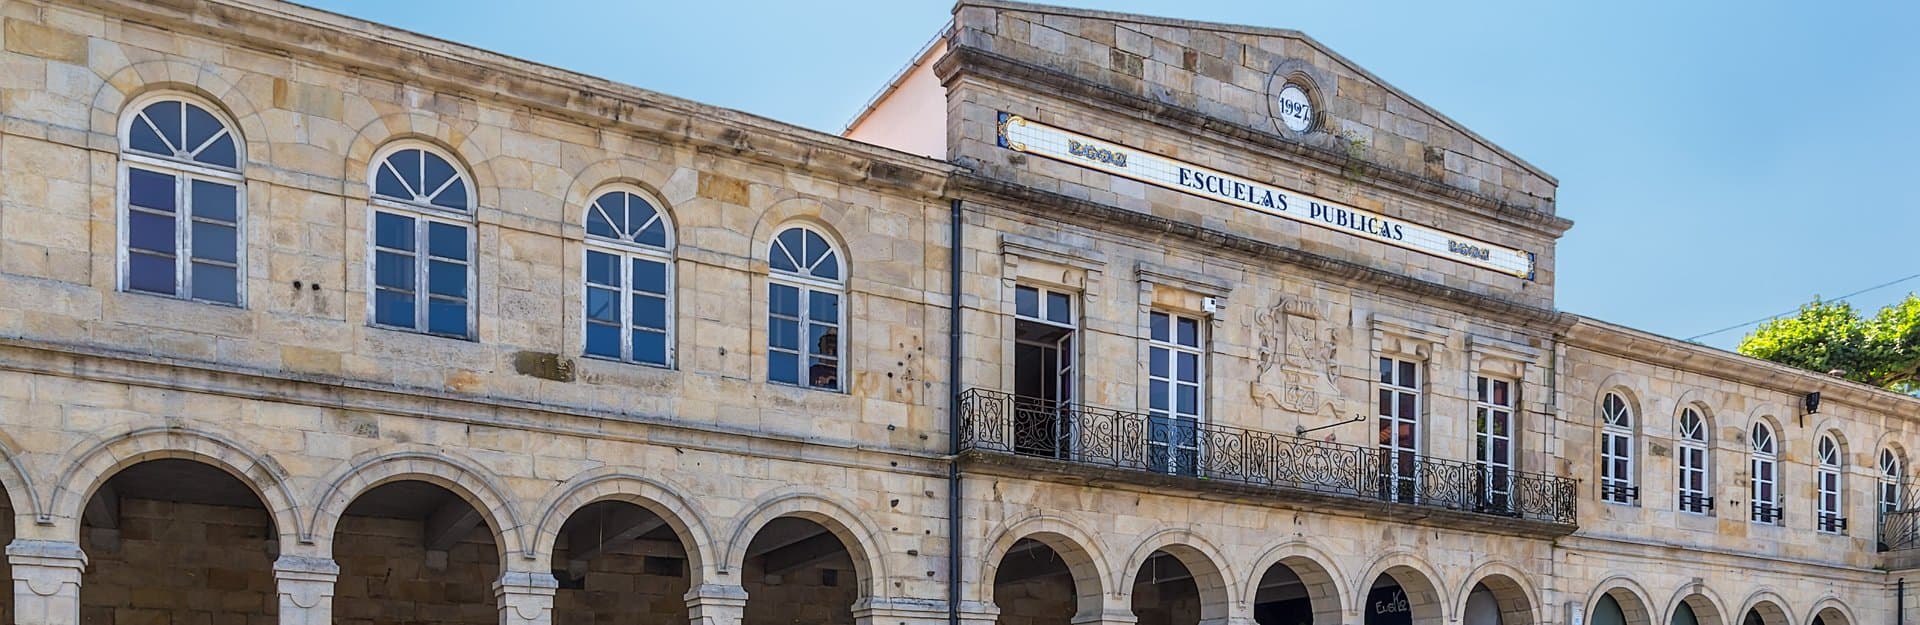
953	418
1900	601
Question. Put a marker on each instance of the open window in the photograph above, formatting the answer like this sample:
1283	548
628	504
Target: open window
1045	336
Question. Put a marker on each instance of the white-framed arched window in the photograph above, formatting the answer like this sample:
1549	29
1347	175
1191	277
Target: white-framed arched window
1893	480
182	202
420	242
1617	450
1830	485
629	279
805	313
1695	463
1765	481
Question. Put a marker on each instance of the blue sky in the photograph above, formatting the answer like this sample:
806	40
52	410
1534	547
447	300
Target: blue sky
1722	161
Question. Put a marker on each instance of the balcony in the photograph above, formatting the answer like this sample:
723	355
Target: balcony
1029	437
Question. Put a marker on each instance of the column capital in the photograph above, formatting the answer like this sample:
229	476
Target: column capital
46	553
46	581
899	611
306	568
716	604
1108	616
525	597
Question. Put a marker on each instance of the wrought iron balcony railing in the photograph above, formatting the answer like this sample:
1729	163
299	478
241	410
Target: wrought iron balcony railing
1900	529
1003	423
1765	512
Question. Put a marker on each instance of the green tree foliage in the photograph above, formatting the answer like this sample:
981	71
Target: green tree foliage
1883	350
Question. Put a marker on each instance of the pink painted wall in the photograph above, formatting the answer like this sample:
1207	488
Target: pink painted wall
913	117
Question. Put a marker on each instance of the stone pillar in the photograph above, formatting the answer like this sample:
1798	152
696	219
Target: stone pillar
46	581
716	604
525	598
306	589
899	611
1235	614
978	613
1110	615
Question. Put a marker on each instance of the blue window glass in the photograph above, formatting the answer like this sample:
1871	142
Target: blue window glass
148	231
803	318
783	367
784	334
393	231
603	305
393	270
447	317
603	268
149	273
603	340
824	306
650	347
419	177
449	279
213	241
1059	308
178	130
1026	302
633	234
784	300
447	240
150	189
393	308
212	200
649	311
649	276
216	283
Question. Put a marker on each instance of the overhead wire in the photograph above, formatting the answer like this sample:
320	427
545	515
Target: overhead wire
1842	298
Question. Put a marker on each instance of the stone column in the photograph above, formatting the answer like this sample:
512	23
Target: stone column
716	604
1110	615
978	613
1235	614
899	611
306	589
525	598
46	581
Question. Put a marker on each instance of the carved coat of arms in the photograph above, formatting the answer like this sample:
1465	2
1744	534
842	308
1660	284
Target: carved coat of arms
1299	369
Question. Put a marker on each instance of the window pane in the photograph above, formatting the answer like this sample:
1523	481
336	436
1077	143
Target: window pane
438	171
142	138
407	164
783	367
786	255
445	278
454	197
213	200
1386	403
649	276
1406	374
153	274
447	241
603	269
393	270
215	283
201	126
213	242
148	189
447	317
1407	410
823	307
1189	334
822	340
1189	399
1059	308
598	223
166	116
649	312
1158	362
603	305
393	308
1386	371
654	234
824	373
1157	327
393	231
221	152
650	347
147	231
1189	367
603	340
1159	397
386	184
783	300
1026	302
816	248
783	334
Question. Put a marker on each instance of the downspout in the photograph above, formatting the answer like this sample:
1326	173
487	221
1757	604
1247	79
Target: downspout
953	417
1900	601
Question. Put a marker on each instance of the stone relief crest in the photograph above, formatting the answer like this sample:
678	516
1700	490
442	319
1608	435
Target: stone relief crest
1299	368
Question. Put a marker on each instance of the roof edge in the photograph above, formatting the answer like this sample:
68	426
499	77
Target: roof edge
923	57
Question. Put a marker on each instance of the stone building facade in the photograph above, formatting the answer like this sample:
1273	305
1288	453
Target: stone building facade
1088	318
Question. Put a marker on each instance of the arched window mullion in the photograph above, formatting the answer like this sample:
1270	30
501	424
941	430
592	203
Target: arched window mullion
806	311
1695	464
181	217
628	314
1617	451
1765	478
420	252
1829	487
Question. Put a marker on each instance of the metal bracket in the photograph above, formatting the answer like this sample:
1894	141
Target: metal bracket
1301	430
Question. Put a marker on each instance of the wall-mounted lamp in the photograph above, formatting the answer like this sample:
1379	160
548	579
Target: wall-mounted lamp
1812	403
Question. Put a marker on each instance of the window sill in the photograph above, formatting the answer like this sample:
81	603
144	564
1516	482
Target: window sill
618	361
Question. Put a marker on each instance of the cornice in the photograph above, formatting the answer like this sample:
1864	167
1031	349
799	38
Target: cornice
1640	346
1054	206
366	48
963	59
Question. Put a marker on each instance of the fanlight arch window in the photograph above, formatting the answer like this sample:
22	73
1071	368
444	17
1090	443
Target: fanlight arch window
805	288
1617	450
1829	502
181	203
1893	479
629	279
420	242
1765	489
1695	462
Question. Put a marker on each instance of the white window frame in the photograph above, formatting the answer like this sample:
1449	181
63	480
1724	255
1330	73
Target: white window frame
422	213
1765	455
806	285
1171	349
1391	468
184	172
1617	431
1829	486
1484	437
1892	480
627	252
1694	459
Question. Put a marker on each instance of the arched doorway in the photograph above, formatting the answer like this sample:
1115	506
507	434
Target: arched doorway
180	541
1402	596
1497	600
617	562
1695	609
797	571
1765	613
1165	593
413	551
6	538
1831	616
1296	591
1619	606
1033	585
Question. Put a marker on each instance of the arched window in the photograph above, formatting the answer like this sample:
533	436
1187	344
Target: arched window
629	280
1696	494
804	312
1616	451
181	203
1893	479
1766	475
1829	504
421	243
